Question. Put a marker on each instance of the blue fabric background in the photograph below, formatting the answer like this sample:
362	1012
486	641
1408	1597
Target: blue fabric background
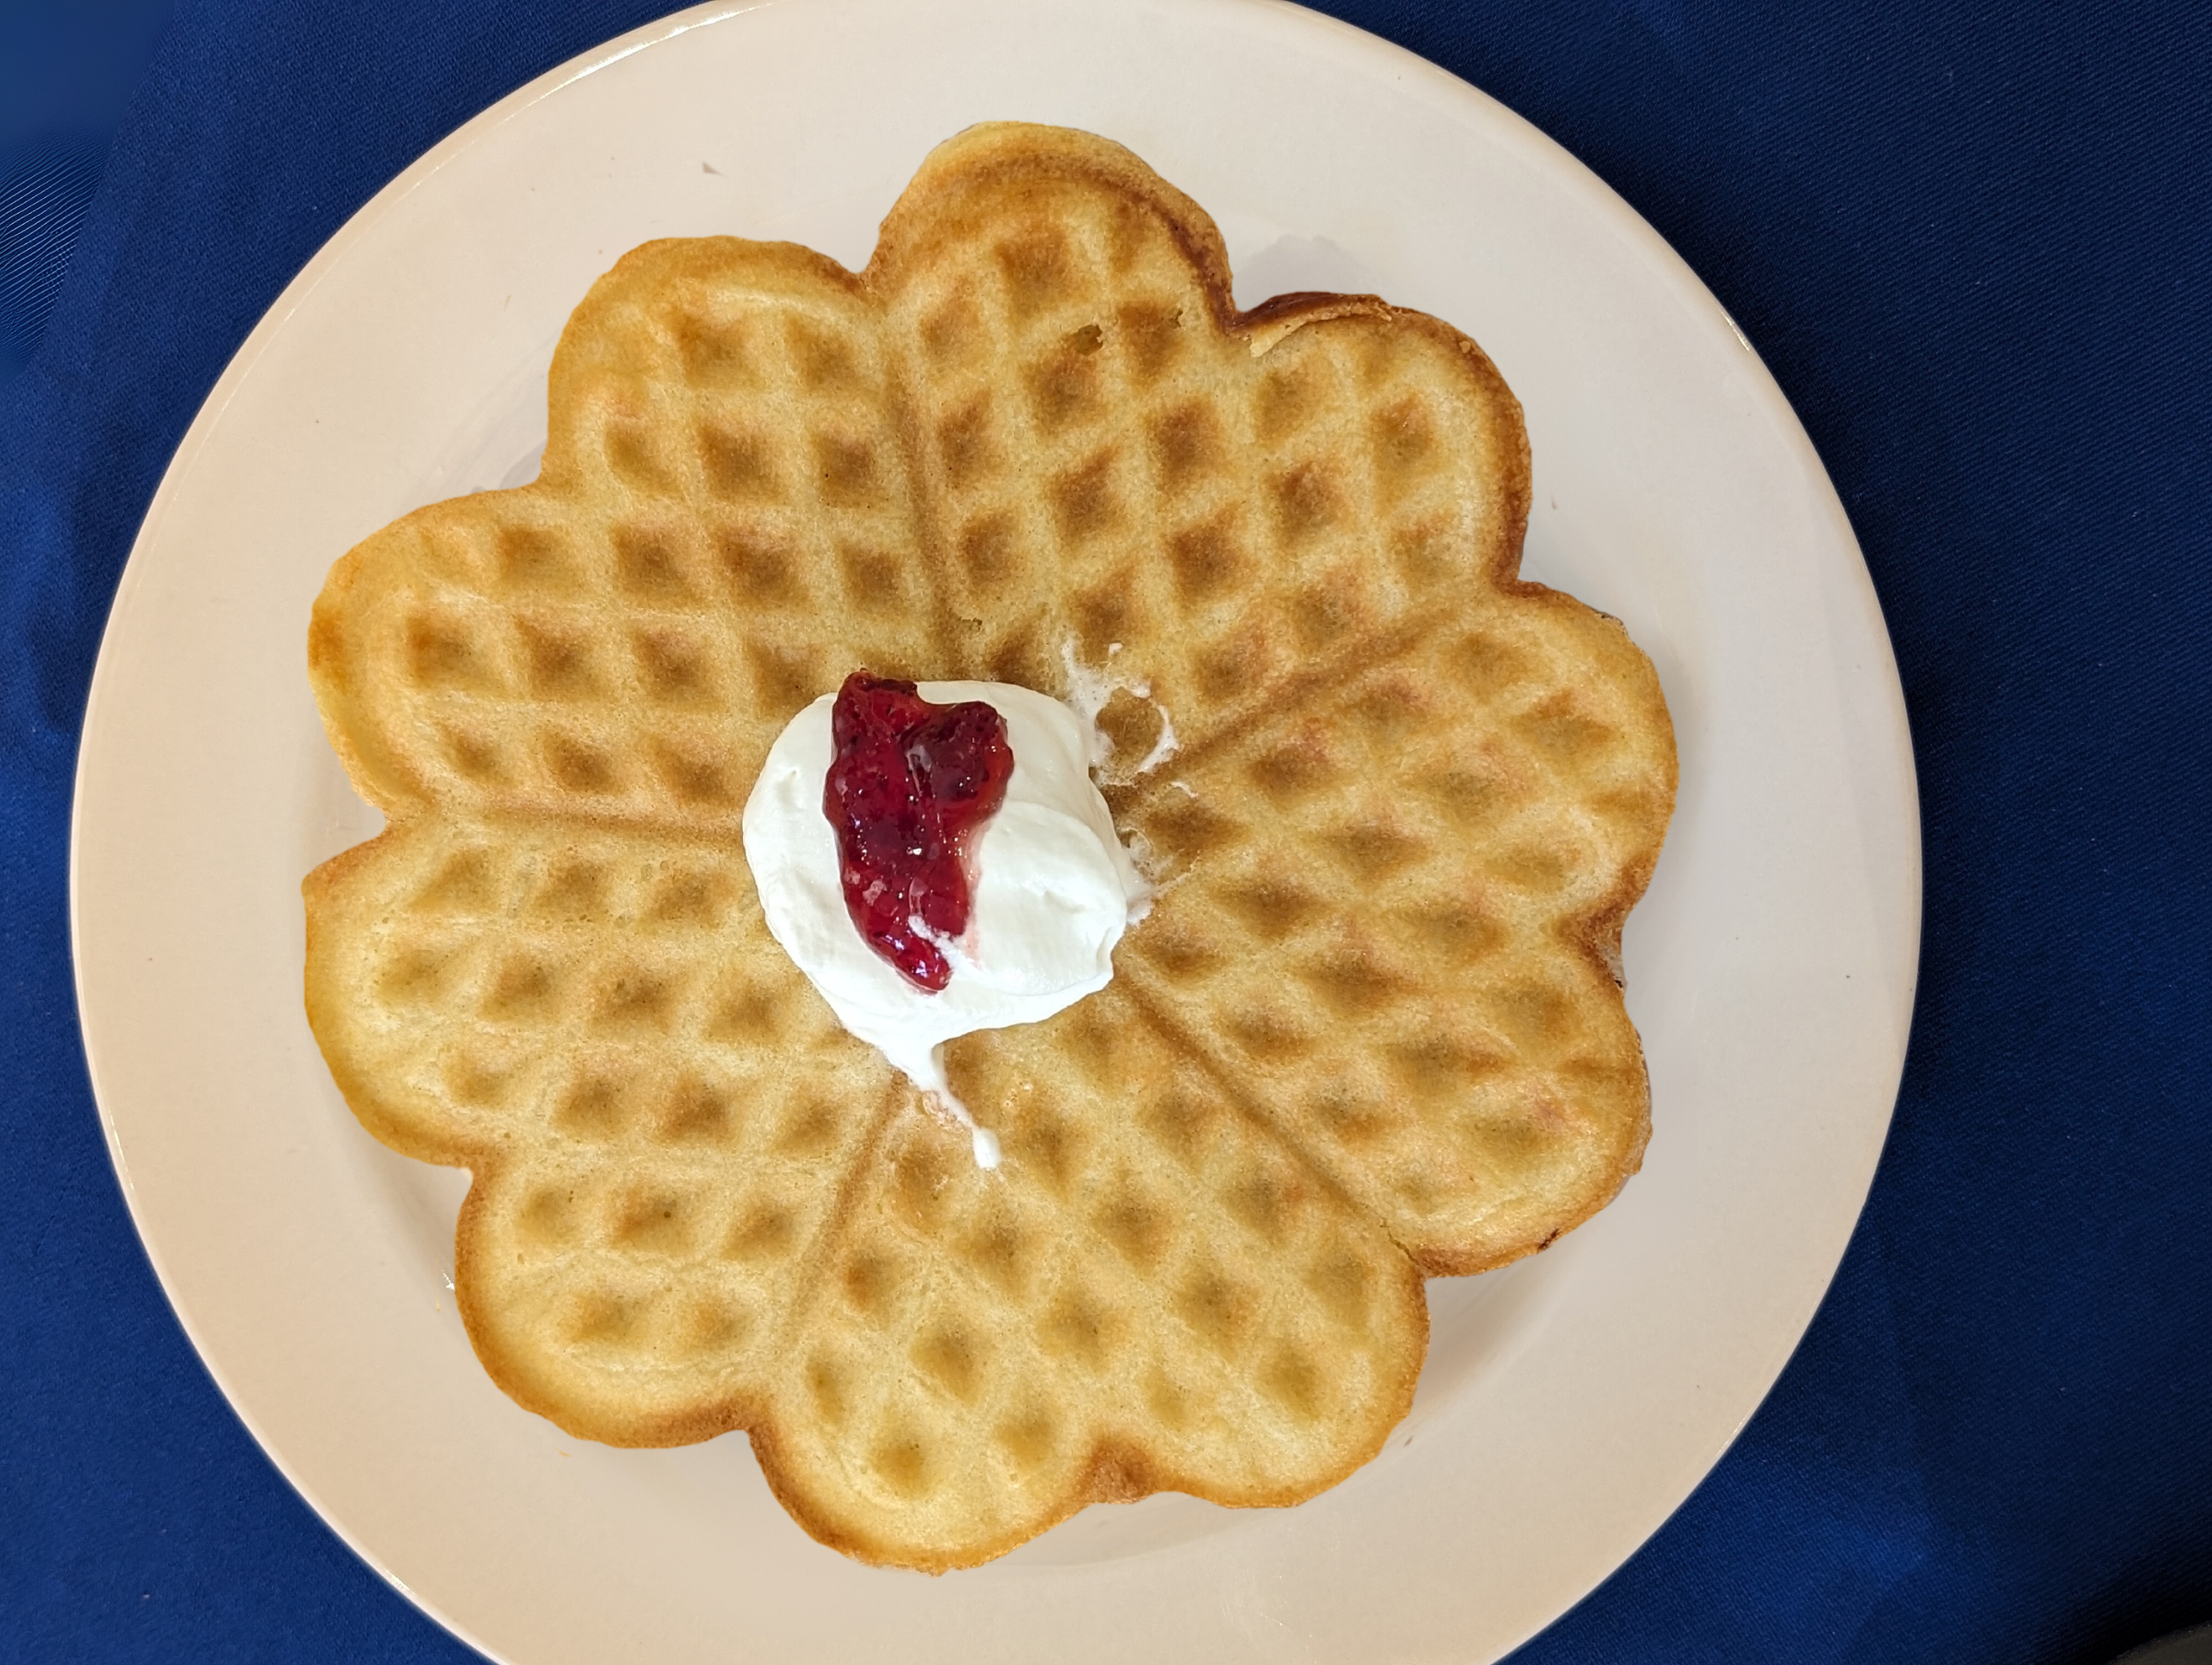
1974	244
68	70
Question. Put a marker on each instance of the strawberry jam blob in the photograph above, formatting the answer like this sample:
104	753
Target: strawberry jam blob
910	787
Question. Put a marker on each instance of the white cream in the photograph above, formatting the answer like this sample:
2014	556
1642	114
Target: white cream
1091	690
1053	891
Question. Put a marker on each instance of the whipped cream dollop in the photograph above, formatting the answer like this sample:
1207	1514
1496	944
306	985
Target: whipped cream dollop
1054	890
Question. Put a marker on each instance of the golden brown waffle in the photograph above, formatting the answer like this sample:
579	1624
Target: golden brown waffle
1372	1029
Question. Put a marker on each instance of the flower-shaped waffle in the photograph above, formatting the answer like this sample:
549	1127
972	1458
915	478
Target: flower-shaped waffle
1372	1029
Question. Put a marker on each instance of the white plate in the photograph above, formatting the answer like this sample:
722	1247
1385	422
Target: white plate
1570	1402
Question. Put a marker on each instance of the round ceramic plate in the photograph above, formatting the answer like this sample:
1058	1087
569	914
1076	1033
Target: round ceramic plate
1570	1402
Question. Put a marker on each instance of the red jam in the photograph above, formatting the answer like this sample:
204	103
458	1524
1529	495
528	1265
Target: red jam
908	783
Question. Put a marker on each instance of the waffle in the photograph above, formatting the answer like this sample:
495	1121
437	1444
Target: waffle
1397	802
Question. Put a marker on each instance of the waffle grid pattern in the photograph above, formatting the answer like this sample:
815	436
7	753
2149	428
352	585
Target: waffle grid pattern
1444	1050
1133	428
621	639
1155	1293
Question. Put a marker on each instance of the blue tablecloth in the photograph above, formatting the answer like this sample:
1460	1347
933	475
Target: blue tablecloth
1974	244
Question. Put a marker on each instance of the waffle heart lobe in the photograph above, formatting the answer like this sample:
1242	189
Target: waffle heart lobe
1370	1030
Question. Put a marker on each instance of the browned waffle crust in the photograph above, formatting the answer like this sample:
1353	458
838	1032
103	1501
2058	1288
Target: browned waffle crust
1372	1028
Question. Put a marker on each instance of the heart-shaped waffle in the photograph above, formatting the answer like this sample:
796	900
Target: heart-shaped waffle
1372	1028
